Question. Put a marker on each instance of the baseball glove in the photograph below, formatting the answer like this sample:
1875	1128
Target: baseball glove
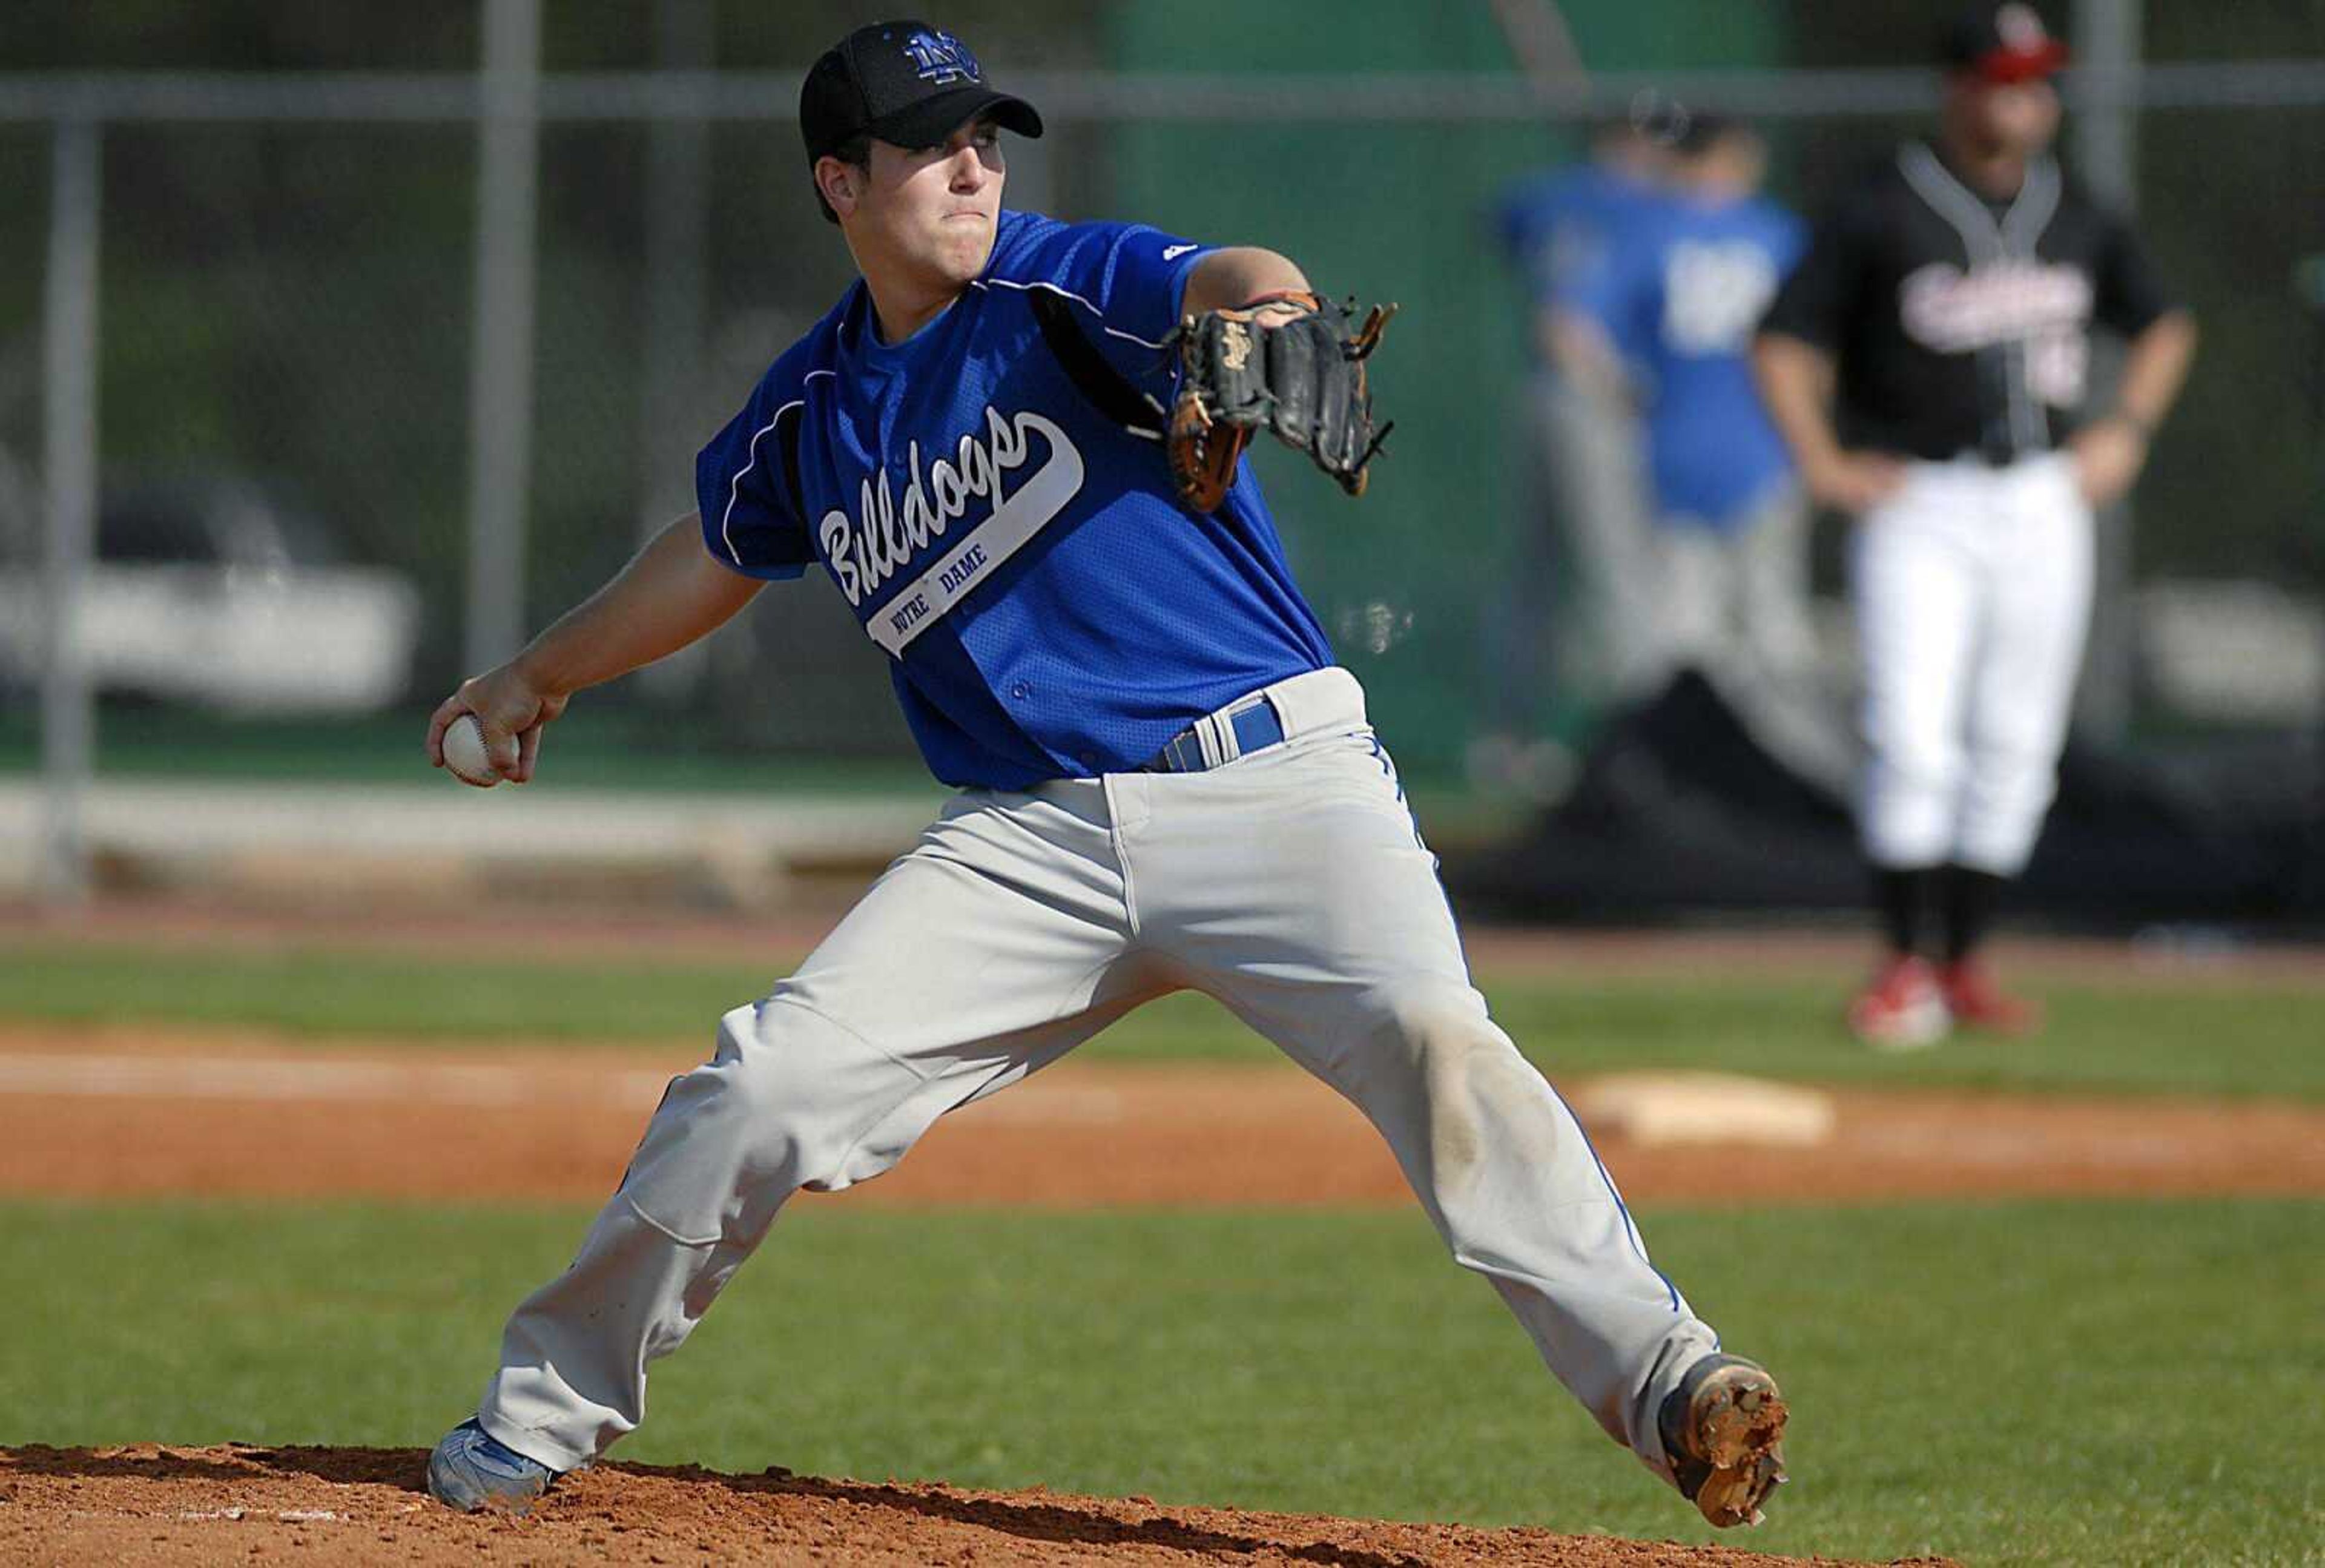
1301	377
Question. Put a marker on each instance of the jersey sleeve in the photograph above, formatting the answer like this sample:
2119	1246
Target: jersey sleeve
1133	275
1613	286
1579	259
2129	293
1815	301
750	522
1525	223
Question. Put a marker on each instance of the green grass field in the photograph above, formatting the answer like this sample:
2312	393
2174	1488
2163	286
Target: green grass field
2093	1382
2207	1039
2104	1383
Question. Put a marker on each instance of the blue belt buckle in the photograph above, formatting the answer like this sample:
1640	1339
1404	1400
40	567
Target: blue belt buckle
1256	728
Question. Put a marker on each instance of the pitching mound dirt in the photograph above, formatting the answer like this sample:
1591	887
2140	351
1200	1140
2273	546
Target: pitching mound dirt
147	1504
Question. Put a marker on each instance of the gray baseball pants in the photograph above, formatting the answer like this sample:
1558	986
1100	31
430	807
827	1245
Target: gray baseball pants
1290	884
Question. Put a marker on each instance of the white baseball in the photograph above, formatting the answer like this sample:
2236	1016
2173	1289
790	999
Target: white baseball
465	755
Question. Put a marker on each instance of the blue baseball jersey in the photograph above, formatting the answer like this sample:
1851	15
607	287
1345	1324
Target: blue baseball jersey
1561	228
1681	295
1048	607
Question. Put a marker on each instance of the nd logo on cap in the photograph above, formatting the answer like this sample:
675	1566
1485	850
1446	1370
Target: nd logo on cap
941	59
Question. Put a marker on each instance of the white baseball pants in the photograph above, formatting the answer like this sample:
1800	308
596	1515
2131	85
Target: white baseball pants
1290	884
1973	597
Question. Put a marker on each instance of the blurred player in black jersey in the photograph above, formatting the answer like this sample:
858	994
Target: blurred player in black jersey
1927	363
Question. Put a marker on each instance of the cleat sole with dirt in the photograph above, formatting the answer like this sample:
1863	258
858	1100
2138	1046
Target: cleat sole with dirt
1735	1425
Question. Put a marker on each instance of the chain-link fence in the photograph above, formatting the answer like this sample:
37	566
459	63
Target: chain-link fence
287	305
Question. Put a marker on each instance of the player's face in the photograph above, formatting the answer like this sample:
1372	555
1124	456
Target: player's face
2018	117
933	210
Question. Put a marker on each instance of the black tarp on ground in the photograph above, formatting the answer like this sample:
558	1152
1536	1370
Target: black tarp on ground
1678	811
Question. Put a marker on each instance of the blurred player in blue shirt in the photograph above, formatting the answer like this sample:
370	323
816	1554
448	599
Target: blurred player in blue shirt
1558	224
1668	314
1582	485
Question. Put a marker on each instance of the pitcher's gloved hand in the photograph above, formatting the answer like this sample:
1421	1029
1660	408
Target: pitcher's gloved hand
1292	363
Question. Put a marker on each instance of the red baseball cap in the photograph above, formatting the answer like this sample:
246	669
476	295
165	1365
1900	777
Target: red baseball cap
2002	44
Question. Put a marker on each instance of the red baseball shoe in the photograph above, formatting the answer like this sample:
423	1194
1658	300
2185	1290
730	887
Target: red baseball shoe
1903	1009
1976	1002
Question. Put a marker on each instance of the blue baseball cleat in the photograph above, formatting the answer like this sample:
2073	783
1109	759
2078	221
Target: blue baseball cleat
472	1470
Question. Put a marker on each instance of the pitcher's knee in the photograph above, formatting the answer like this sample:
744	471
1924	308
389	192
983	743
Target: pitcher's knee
764	1117
803	1090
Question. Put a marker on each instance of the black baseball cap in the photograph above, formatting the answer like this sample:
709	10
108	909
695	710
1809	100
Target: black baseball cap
904	83
2002	44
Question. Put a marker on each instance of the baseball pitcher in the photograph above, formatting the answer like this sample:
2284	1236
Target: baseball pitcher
1944	312
1013	448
